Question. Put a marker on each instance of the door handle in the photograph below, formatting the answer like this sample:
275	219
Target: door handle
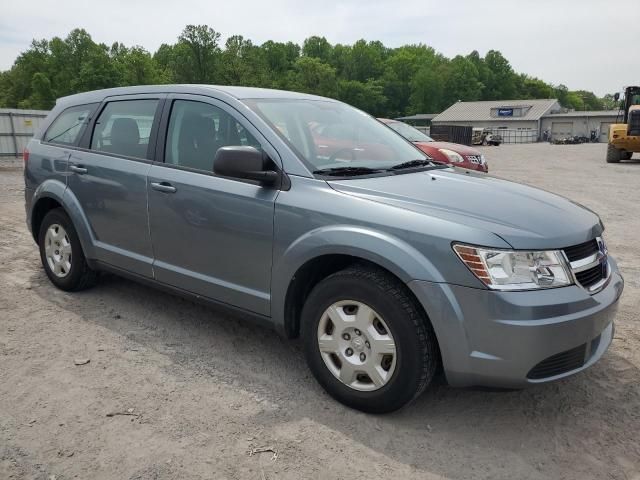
79	169
164	187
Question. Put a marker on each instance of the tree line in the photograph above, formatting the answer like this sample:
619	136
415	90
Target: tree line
380	80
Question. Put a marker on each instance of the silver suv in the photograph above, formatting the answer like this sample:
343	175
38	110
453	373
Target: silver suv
323	223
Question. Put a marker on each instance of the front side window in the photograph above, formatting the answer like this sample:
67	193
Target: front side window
197	130
124	128
328	134
68	126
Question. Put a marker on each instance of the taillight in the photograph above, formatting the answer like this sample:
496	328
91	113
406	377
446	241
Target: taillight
25	156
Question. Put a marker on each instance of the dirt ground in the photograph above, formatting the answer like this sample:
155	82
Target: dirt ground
197	393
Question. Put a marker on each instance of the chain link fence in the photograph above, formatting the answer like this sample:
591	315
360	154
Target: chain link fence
516	136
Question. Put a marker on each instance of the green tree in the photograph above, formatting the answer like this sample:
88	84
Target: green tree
428	91
317	47
462	81
534	88
400	68
135	66
42	96
500	83
310	75
380	80
367	96
366	60
609	102
589	100
197	53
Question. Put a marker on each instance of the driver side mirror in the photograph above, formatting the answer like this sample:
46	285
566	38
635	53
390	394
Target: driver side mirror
246	163
616	96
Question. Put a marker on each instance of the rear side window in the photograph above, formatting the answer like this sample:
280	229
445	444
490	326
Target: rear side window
124	128
69	125
196	132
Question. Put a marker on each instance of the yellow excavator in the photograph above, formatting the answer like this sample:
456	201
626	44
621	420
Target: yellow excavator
624	138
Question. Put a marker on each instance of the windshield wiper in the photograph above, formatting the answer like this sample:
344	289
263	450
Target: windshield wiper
347	171
418	163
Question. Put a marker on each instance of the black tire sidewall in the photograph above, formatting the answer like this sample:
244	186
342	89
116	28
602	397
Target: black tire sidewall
406	378
78	266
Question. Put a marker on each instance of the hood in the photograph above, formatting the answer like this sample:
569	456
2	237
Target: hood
525	217
456	147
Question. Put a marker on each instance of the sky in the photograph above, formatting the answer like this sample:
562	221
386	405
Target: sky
583	44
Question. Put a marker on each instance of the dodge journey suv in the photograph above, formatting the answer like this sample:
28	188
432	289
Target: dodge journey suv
389	266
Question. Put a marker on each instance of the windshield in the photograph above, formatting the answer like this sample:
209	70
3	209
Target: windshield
410	133
330	135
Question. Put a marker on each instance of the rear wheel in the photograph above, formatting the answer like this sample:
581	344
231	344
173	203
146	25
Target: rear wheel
613	154
61	253
366	341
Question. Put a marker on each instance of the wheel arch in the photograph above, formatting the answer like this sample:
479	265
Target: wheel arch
320	253
54	194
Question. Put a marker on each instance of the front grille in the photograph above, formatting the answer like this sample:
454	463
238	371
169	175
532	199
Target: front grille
589	264
578	252
634	122
477	159
590	277
560	363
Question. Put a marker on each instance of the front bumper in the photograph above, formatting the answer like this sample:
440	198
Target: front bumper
491	338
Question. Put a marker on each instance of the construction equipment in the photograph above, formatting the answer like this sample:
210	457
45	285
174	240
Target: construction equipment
624	138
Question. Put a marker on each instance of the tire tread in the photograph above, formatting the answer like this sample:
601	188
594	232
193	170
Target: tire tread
391	288
395	289
613	154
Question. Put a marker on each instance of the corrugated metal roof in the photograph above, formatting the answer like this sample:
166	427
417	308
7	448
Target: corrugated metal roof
585	113
419	116
481	111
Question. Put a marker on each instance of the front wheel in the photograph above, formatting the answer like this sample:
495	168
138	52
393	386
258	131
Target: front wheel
366	341
613	154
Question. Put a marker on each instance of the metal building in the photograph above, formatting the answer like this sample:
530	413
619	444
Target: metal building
563	125
16	128
517	121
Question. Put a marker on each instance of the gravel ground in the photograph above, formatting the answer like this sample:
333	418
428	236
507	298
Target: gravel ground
197	393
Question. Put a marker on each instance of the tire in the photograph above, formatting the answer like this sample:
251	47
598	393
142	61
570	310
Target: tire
627	155
395	319
613	154
61	253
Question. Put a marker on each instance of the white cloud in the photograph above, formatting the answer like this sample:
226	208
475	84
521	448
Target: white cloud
583	44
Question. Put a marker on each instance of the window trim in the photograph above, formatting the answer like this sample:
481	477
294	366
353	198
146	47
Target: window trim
163	130
85	143
93	108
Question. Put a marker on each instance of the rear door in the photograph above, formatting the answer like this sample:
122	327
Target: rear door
48	157
109	178
211	235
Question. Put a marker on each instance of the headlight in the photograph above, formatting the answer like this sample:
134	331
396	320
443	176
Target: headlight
451	155
516	269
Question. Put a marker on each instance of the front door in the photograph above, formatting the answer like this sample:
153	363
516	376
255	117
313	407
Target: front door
211	235
109	179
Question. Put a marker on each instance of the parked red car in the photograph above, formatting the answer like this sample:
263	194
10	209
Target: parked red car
453	153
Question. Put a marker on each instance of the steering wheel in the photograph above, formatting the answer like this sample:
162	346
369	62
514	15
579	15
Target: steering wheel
335	154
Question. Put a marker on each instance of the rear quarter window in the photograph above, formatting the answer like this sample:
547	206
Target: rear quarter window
67	128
